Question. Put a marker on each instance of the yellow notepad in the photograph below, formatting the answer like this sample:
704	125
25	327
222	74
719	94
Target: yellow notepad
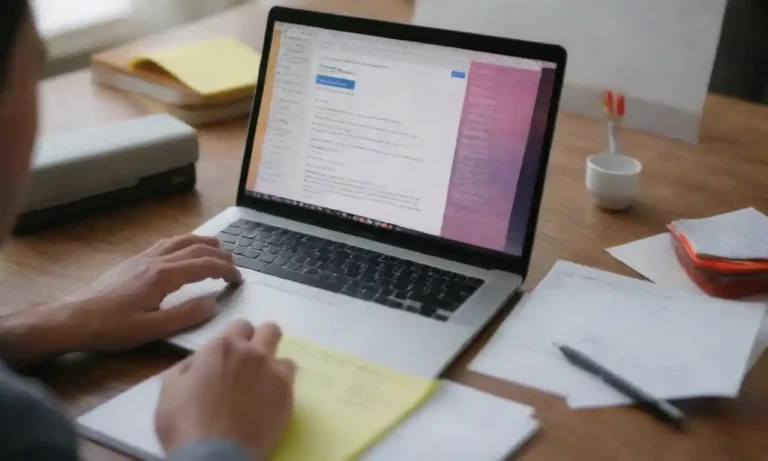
209	67
343	405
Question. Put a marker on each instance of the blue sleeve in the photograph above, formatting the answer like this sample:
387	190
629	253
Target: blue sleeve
32	426
211	450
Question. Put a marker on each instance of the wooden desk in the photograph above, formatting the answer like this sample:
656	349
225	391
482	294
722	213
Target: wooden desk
728	170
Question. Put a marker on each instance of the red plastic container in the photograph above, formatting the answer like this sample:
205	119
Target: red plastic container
718	284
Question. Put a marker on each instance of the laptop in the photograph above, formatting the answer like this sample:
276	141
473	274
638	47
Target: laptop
390	186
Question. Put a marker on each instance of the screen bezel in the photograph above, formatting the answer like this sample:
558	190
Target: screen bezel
432	245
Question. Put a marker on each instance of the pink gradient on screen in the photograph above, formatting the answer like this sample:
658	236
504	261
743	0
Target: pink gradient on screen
493	134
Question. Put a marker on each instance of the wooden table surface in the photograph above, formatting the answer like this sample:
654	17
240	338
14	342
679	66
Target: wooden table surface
726	171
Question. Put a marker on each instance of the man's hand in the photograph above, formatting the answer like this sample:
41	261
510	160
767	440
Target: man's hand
234	389
121	309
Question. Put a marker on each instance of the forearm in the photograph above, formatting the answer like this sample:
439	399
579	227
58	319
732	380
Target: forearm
211	450
35	334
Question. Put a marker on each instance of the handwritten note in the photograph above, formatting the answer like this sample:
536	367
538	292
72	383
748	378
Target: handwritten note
209	67
343	405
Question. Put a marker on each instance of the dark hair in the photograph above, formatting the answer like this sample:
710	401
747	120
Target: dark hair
12	14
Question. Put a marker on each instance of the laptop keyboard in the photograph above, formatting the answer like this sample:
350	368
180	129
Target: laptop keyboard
349	270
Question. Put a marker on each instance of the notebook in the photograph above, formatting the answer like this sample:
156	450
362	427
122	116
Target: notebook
458	423
363	400
113	68
218	66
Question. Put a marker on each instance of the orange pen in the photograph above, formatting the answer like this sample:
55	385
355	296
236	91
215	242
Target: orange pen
613	113
608	103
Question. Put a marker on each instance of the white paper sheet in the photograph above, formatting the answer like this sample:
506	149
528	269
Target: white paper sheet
504	358
654	259
667	342
741	234
457	423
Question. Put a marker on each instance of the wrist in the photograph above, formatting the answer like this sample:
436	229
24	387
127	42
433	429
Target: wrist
35	334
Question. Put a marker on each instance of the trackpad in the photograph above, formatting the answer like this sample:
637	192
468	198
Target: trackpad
296	314
367	330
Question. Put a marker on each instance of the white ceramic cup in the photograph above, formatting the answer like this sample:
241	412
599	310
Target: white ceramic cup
613	180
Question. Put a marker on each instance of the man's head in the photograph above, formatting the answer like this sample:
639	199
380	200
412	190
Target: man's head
22	58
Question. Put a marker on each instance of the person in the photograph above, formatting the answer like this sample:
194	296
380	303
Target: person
230	401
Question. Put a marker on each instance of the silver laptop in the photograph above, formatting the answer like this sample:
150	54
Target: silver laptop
390	186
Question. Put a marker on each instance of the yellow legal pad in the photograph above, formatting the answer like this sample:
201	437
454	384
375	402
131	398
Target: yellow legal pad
209	67
343	405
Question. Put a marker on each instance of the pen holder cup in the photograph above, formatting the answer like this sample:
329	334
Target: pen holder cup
613	180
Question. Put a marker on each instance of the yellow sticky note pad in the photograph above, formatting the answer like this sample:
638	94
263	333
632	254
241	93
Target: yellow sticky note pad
343	405
209	67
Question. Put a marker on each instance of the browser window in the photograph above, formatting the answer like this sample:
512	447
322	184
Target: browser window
422	138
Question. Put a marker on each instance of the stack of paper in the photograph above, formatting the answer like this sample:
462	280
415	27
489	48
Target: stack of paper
220	66
668	342
343	407
740	235
459	423
198	82
725	255
654	259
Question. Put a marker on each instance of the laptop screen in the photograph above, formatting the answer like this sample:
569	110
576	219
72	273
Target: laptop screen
400	135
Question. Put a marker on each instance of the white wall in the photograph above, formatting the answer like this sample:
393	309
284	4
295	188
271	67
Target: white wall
658	52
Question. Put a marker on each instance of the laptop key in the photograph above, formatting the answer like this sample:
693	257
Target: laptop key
394	304
227	246
400	294
448	306
342	254
374	263
401	285
463	287
351	291
327	267
267	258
232	230
239	250
262	236
477	283
304	279
280	262
440	316
367	295
253	254
427	310
258	246
370	287
250	233
249	263
244	242
273	250
313	271
403	277
342	279
294	266
227	238
312	262
381	299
